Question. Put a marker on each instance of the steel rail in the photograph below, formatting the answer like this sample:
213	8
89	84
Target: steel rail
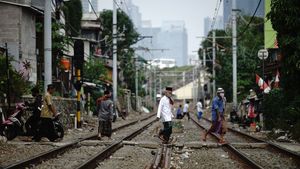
158	157
270	144
56	151
167	158
233	150
93	161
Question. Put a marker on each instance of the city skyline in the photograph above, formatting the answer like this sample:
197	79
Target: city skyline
193	13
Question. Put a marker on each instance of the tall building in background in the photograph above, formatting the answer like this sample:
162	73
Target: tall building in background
173	39
148	48
133	12
247	7
167	42
87	8
208	22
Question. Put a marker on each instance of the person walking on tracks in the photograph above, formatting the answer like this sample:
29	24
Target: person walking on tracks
186	110
105	115
179	112
164	113
199	109
46	127
218	120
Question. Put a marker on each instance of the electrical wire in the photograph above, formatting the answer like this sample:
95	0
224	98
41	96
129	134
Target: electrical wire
93	8
241	34
126	6
215	14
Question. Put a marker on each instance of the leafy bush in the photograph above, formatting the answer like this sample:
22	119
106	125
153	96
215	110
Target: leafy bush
281	113
273	107
18	86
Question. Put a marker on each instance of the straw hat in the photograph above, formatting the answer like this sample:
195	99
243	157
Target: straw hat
252	95
220	90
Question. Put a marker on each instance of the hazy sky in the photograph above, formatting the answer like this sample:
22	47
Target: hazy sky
192	12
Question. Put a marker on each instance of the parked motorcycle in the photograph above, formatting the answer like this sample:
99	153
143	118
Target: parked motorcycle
13	125
31	124
45	131
58	128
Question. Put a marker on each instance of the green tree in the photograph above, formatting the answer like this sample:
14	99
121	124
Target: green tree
247	60
93	70
284	16
18	85
127	36
73	14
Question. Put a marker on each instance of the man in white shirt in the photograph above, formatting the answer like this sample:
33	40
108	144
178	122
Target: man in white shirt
199	109
186	110
164	113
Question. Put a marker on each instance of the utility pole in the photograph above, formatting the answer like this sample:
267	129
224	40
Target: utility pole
183	82
136	85
154	97
78	60
204	57
47	45
214	63
234	55
114	35
8	79
160	89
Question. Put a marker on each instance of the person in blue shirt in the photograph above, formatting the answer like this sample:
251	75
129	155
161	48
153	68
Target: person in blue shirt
179	112
217	117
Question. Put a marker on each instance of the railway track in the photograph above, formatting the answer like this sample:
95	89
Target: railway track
75	147
259	153
135	147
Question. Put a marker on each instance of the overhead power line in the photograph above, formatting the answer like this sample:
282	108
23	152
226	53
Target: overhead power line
241	34
216	14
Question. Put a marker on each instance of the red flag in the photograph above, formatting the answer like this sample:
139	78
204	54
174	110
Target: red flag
276	84
262	84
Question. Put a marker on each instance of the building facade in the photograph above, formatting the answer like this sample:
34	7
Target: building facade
18	31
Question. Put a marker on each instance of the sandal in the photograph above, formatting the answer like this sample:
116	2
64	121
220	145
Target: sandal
222	142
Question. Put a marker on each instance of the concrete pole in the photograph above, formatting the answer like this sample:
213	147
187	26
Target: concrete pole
8	80
114	35
204	57
136	86
150	84
214	63
234	55
154	97
47	45
194	88
183	83
160	89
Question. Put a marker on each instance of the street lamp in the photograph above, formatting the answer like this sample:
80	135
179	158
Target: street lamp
262	55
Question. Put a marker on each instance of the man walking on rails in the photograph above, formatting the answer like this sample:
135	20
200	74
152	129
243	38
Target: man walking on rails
218	120
105	115
164	112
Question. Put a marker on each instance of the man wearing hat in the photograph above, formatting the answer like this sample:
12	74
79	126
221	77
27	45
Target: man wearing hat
251	106
164	113
46	128
217	118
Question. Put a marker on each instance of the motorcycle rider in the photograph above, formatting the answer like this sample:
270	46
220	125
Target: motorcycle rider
32	122
46	128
